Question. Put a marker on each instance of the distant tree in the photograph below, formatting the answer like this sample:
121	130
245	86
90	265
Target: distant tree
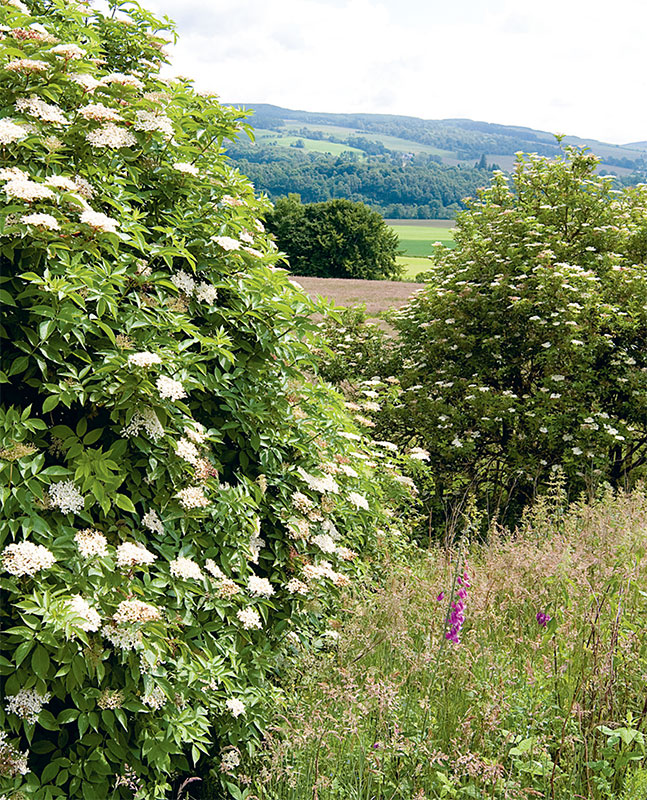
334	239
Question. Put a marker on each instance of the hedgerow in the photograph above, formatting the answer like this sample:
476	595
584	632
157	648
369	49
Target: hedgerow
178	502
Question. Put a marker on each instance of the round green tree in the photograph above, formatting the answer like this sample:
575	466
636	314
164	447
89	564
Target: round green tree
527	350
177	502
334	239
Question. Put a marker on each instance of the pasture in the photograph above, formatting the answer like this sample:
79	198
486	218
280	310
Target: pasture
417	237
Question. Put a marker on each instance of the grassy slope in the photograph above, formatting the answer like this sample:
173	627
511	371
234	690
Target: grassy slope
416	242
394	711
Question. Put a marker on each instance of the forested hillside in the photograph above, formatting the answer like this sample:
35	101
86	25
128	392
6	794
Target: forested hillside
402	167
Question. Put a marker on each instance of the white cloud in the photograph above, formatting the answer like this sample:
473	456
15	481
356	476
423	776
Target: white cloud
561	65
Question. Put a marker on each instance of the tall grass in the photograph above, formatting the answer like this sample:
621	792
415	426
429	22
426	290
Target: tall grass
516	709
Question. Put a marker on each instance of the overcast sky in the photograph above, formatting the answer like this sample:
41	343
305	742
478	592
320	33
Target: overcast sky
565	66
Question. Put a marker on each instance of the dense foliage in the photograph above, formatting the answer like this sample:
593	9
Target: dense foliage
527	350
413	187
178	504
335	239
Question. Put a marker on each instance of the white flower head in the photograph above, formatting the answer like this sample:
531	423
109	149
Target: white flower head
183	282
26	558
136	611
235	707
188	169
39	109
112	136
81	608
250	618
66	497
27	704
46	221
259	587
143	359
11	132
192	497
226	242
133	554
186	568
91	543
358	500
170	388
151	521
99	221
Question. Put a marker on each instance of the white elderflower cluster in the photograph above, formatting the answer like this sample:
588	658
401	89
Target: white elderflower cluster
324	484
197	433
302	502
66	497
27	65
123	638
250	618
145	420
88	82
213	569
110	699
187	169
99	221
325	543
226	242
61	182
81	607
11	132
151	521
41	221
39	109
91	543
153	121
187	450
26	558
419	454
358	500
192	497
255	546
156	699
235	707
259	587
347	470
299	529
136	611
12	761
143	359
122	80
27	704
100	113
229	761
133	554
83	187
183	282
295	586
170	388
324	570
22	188
206	293
186	568
111	135
69	52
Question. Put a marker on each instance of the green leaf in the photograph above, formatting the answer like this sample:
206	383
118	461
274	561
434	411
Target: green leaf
125	503
40	662
51	402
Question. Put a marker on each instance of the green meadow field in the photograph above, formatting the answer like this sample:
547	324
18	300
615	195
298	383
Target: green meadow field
417	239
